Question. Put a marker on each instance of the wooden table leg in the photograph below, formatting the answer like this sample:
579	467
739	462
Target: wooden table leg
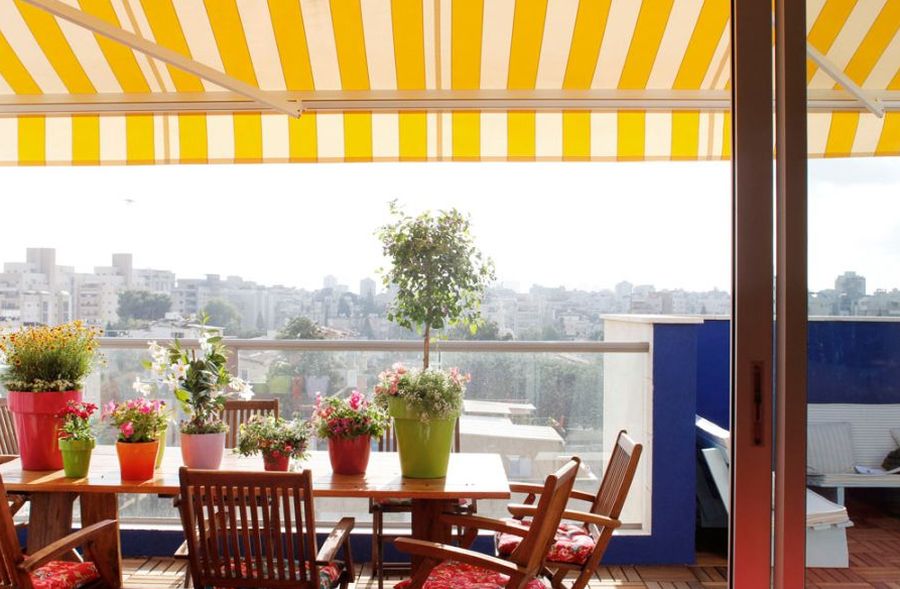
427	525
49	519
96	507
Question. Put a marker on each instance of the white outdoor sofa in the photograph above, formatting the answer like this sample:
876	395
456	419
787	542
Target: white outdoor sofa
826	521
845	435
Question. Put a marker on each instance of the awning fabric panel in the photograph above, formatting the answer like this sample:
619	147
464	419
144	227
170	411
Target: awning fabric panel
351	45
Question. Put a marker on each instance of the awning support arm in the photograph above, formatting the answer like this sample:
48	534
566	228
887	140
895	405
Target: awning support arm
101	27
835	73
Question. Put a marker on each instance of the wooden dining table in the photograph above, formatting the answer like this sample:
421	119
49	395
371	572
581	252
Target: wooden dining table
469	476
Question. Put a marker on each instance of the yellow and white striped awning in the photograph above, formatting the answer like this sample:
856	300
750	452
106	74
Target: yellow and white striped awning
384	80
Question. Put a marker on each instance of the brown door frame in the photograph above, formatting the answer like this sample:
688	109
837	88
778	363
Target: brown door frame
751	330
791	294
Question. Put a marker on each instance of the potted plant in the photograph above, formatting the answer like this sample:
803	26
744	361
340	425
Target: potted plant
440	277
139	423
46	368
201	383
348	425
425	404
76	438
278	440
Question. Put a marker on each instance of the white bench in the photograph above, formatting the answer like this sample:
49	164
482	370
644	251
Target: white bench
826	522
871	441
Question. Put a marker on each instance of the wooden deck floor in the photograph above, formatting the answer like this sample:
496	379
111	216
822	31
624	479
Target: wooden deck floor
874	564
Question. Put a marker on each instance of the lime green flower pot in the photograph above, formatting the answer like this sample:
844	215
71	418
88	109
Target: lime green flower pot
424	446
162	446
76	457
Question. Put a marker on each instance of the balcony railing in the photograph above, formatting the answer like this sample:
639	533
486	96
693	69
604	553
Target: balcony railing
534	403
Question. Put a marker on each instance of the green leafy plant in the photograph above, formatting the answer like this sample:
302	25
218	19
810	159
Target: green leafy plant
273	436
200	381
439	273
430	393
46	358
334	417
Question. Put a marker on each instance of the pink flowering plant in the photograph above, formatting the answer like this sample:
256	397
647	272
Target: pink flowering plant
76	421
137	420
431	393
334	417
274	437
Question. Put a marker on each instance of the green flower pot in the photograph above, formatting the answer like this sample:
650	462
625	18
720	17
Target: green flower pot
424	446
76	457
162	446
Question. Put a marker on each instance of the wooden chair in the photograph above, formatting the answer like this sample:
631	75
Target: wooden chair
578	548
258	529
441	563
388	443
21	571
9	445
234	413
237	412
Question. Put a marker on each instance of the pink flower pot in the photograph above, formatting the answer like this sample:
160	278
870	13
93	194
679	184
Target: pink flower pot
276	463
349	455
202	451
37	426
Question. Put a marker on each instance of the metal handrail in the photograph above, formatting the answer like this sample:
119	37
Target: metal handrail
521	347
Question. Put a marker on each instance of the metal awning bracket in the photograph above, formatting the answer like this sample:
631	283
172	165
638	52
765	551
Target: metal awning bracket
873	105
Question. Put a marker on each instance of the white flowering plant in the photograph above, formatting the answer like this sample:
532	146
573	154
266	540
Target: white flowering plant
200	381
430	393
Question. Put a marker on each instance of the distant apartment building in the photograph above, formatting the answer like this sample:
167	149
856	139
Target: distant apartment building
850	288
96	298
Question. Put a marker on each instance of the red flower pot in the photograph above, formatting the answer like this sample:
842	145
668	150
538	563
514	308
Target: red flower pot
37	426
279	462
137	460
349	455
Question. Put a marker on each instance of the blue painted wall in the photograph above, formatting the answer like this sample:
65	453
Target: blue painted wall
849	362
674	405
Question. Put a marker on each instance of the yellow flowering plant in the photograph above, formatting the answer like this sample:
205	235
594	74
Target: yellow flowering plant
44	358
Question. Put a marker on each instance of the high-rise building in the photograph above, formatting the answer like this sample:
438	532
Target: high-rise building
367	288
124	265
330	281
850	288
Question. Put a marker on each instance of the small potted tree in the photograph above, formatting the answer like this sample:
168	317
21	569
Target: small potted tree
349	426
276	438
46	368
76	438
201	383
440	277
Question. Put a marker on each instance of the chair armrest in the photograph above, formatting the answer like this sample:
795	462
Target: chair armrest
442	552
63	545
581	516
534	489
338	536
484	523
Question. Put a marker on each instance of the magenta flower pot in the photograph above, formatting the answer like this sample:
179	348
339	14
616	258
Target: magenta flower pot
349	455
37	426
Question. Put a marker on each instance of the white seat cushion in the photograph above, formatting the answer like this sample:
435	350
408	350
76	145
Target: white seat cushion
829	448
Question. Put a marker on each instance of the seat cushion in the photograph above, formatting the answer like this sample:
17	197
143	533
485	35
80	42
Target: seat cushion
396	503
329	575
572	544
456	575
60	574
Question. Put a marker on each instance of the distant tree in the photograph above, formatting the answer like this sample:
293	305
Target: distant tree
223	314
439	273
142	305
301	327
489	331
550	333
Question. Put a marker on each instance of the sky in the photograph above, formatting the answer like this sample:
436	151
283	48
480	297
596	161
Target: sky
576	225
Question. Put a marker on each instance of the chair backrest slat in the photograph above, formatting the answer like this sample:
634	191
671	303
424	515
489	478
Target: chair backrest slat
236	412
249	529
532	550
614	488
9	543
8	442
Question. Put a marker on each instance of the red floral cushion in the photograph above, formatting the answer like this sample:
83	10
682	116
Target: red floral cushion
573	544
456	575
60	574
329	574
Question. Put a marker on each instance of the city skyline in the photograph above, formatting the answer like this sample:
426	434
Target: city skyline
579	226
